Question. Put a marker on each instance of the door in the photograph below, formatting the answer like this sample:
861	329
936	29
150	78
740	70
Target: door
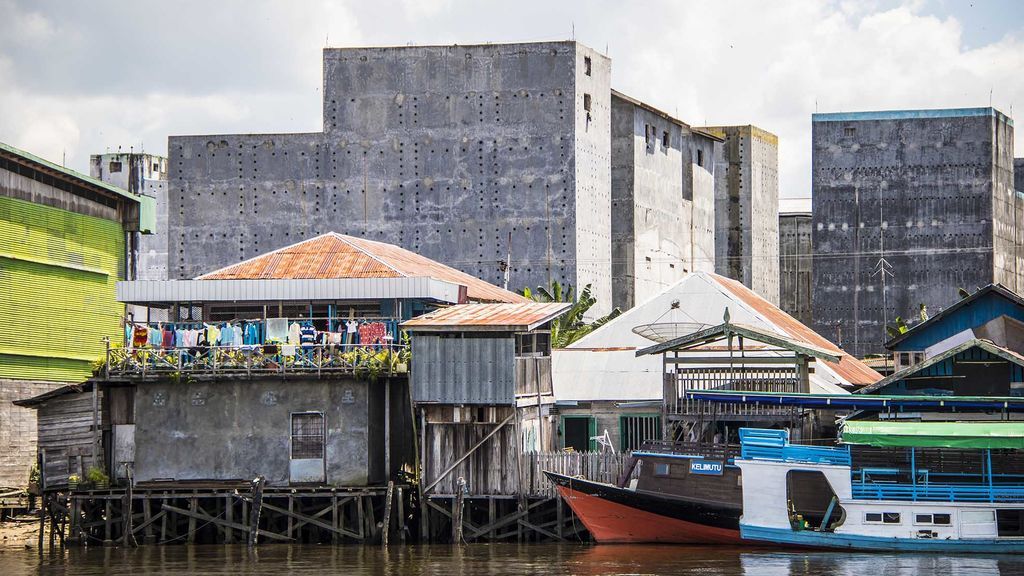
307	464
578	432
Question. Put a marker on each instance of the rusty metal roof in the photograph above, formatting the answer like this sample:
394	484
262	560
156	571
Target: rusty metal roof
848	367
488	317
333	255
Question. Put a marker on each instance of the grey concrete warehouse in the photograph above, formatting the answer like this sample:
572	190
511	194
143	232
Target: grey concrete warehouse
908	206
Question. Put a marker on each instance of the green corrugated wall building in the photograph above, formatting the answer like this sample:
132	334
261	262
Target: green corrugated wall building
65	241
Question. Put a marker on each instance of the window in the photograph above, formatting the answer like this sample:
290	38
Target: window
882	518
578	433
307	435
700	158
115	167
586	102
935	519
648	133
586	65
635	430
665	139
849	131
156	166
662	469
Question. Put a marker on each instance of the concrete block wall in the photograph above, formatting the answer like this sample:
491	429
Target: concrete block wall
141	174
662	207
931	188
795	260
18	430
448	151
746	208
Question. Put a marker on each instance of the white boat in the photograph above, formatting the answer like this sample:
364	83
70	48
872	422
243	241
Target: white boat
897	486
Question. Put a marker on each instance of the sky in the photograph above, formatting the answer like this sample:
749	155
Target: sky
79	78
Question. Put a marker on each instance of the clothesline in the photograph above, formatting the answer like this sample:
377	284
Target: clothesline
285	331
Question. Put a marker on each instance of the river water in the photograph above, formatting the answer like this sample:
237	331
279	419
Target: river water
481	559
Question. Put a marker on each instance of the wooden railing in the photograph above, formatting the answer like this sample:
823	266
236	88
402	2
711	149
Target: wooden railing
748	379
597	466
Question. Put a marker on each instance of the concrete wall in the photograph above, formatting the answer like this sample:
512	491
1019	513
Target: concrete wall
933	186
238	429
444	150
141	174
746	208
795	255
18	430
662	209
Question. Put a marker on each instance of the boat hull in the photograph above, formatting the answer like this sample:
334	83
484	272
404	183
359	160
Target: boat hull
619	515
840	541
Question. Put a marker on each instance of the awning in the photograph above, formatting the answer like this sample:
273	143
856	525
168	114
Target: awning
935	434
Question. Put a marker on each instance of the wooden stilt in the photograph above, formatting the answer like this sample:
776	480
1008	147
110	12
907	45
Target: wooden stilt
254	516
229	515
193	506
107	517
457	510
335	520
387	514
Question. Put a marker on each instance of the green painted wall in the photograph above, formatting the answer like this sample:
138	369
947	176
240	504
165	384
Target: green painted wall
58	274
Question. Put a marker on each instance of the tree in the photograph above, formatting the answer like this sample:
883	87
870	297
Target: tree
571	326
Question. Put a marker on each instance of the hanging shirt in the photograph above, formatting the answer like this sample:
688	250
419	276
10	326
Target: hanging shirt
295	333
168	337
351	326
140	336
371	333
154	337
307	335
179	338
212	335
252	333
227	335
277	329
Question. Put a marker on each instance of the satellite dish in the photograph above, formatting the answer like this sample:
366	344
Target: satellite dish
664	331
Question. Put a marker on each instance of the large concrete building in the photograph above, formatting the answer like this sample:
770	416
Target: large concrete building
140	174
909	206
747	208
64	241
795	256
481	157
663	200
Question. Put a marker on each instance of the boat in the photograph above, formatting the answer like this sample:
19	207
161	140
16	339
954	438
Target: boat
942	487
685	494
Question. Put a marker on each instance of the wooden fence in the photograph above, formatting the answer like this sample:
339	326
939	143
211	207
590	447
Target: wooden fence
597	466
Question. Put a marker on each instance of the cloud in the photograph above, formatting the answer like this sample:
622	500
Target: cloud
84	76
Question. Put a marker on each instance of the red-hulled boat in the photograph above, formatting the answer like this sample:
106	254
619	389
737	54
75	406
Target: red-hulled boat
680	497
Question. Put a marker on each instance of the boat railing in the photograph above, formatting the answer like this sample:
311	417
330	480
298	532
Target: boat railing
709	450
765	444
868	490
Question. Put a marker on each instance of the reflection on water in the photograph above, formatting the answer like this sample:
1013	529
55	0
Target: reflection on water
481	559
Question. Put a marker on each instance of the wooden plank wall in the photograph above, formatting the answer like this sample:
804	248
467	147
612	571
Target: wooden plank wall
66	434
598	466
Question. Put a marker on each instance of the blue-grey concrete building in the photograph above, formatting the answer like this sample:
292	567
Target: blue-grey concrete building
908	206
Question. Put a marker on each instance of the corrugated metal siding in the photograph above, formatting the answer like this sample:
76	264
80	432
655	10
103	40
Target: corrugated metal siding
169	291
58	272
972	315
463	370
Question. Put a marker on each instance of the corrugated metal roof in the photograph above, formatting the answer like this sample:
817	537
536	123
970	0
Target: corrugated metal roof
292	289
333	255
848	367
489	317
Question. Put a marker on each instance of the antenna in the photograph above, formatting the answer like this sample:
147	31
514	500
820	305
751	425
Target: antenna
573	24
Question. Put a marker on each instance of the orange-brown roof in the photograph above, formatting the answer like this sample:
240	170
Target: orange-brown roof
848	367
334	255
503	317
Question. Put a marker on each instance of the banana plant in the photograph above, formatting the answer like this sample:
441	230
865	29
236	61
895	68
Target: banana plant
571	326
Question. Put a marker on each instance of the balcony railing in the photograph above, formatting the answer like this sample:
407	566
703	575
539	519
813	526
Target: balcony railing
368	361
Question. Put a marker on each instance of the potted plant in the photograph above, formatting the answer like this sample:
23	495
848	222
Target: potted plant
97	478
73	481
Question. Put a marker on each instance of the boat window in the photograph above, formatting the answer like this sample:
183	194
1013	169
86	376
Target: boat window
1010	522
936	519
891	517
813	505
977	516
873	517
662	469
